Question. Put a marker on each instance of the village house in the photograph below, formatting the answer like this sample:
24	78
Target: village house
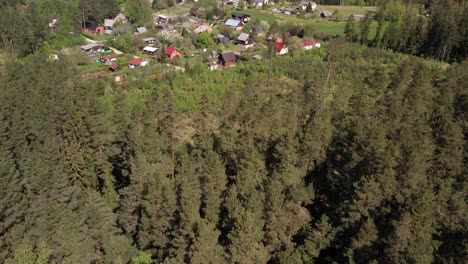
162	19
149	40
108	58
150	50
172	53
137	62
141	30
281	48
227	59
241	17
120	19
90	47
94	28
235	24
243	39
108	25
325	14
310	44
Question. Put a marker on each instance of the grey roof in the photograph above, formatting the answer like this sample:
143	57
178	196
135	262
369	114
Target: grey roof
141	30
243	37
90	46
326	14
149	39
260	1
257	57
232	22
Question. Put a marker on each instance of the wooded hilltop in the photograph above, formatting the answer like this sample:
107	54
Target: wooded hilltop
354	152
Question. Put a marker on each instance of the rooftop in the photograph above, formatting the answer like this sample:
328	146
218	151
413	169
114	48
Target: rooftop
150	49
232	22
243	37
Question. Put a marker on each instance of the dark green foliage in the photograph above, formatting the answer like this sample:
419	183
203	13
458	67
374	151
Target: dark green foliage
343	154
439	32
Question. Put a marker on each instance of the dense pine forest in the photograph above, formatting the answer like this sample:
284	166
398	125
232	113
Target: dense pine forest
353	153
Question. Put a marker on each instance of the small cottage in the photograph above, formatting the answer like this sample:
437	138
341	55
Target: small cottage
241	17
243	39
325	14
94	28
137	62
227	59
149	40
108	58
235	24
120	19
108	25
141	30
90	47
150	50
310	44
281	48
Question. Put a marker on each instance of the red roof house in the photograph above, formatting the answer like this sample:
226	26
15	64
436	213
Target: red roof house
280	47
310	43
172	53
108	58
137	62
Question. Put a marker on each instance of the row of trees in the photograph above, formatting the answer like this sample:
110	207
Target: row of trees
25	24
439	31
356	155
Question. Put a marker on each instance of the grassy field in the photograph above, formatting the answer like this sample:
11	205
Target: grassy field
325	26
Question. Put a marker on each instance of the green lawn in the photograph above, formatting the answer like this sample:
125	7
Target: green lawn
335	28
326	26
